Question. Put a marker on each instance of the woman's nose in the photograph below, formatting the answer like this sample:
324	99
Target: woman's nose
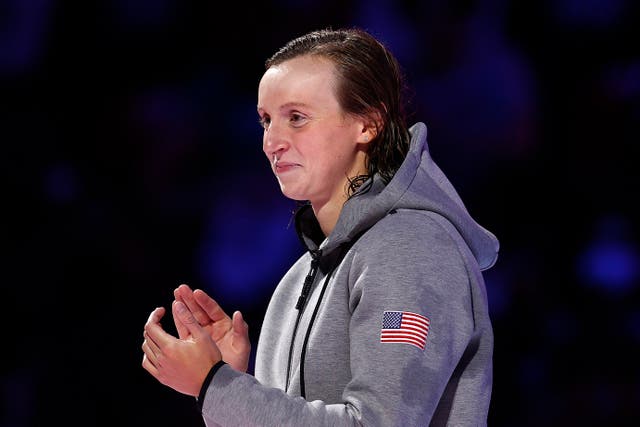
273	140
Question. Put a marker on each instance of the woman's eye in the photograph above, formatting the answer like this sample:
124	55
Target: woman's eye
296	119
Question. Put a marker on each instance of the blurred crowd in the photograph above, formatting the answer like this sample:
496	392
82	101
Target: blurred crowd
132	163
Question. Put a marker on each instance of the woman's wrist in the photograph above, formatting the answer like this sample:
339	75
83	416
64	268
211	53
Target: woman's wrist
206	382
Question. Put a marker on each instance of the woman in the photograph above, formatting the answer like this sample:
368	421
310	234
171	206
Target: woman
384	320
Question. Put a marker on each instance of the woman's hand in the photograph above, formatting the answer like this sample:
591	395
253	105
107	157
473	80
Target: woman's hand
231	334
184	363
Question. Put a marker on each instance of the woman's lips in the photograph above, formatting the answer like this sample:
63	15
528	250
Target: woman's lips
282	167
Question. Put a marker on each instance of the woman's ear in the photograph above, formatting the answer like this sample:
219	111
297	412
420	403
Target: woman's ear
366	136
370	128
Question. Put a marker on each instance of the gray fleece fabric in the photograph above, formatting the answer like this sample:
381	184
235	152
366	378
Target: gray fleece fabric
409	248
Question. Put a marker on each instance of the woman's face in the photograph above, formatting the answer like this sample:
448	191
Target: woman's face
311	144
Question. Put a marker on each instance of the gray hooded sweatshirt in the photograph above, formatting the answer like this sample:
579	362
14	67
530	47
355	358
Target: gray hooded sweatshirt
394	329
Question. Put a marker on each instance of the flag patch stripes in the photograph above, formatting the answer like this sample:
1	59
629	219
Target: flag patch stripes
404	327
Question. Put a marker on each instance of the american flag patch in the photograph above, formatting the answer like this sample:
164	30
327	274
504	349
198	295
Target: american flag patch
404	327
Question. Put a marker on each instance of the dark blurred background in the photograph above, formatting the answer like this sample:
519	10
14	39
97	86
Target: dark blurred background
131	162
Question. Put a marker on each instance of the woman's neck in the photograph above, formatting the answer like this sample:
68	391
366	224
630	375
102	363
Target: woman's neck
328	213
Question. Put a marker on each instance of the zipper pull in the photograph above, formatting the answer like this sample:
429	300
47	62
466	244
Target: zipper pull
308	281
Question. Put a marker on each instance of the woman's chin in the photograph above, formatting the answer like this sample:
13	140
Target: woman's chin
290	194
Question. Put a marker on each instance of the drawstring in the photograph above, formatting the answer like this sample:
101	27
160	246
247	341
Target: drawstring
302	299
313	317
306	288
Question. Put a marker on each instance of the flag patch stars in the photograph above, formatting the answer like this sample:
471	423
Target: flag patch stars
404	327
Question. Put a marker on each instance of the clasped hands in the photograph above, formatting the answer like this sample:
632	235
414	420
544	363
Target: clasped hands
206	335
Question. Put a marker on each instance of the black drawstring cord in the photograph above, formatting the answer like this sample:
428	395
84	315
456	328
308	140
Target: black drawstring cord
313	317
306	287
306	336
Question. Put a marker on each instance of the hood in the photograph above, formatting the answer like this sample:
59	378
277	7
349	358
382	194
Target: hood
418	184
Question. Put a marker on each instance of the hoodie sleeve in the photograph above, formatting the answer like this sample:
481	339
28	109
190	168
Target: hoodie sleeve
410	262
421	269
236	399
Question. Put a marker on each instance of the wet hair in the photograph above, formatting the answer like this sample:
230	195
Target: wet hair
370	84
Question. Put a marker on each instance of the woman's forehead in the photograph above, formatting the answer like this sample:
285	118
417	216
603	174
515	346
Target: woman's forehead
300	70
303	80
